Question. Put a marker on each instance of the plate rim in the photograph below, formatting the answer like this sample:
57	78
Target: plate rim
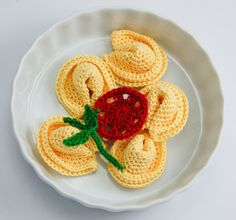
62	192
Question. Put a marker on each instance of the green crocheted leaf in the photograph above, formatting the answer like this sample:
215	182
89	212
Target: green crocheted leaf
74	123
77	139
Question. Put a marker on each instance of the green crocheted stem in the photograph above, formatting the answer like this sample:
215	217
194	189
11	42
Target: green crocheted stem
90	117
89	129
103	151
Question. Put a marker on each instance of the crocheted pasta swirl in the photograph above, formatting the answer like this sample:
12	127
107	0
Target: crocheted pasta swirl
140	122
81	81
167	112
137	60
67	161
143	159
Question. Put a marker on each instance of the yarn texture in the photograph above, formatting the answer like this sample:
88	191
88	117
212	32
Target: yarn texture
117	100
67	161
81	81
89	129
167	112
123	112
137	60
144	161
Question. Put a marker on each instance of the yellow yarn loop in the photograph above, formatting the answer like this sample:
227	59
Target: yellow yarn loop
67	161
139	154
144	161
81	81
167	110
137	60
88	83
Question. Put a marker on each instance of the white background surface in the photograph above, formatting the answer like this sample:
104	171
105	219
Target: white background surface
212	196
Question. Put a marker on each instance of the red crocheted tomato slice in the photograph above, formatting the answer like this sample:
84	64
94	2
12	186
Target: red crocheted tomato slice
123	112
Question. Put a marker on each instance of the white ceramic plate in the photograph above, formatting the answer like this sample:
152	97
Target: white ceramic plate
34	100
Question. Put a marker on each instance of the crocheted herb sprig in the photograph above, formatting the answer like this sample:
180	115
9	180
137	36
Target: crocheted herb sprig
89	129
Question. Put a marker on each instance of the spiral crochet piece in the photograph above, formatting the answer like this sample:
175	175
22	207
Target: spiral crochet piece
73	161
137	60
167	112
117	98
123	112
144	161
81	81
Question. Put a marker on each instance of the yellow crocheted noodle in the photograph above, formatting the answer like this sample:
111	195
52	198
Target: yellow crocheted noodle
137	60
70	161
144	161
167	110
81	81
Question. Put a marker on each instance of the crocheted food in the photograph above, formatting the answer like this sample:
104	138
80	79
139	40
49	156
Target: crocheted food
167	111
81	81
89	129
137	60
136	123
143	159
123	112
67	161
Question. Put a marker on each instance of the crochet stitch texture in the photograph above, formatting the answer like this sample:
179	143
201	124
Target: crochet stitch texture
167	111
89	129
143	159
81	81
67	161
135	121
123	112
137	60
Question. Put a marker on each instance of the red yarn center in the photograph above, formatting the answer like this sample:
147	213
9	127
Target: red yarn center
123	112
